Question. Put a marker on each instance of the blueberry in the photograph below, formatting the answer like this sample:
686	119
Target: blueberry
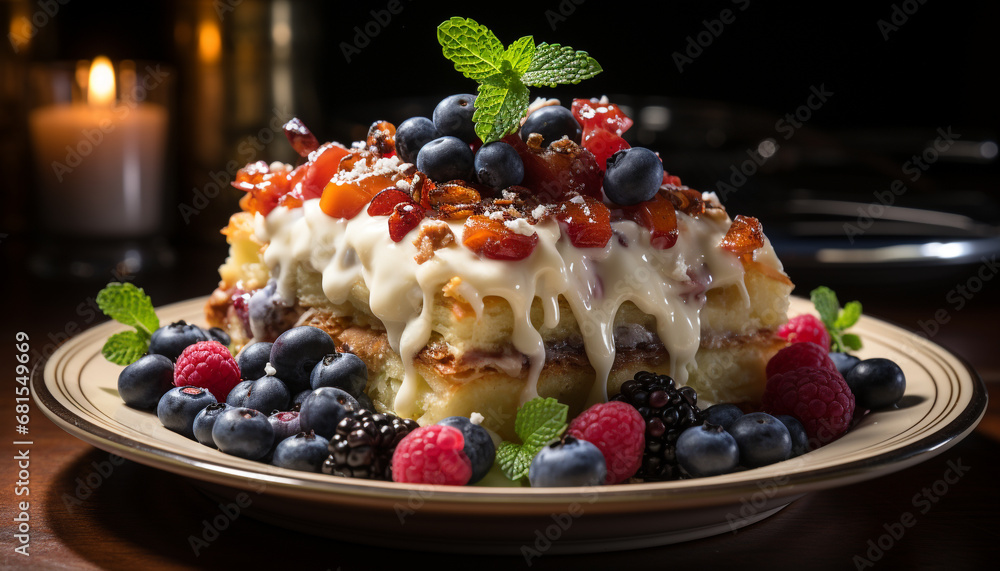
285	424
252	360
552	122
341	370
498	165
453	116
633	175
446	158
707	450
800	440
876	383
205	420
324	409
266	394
218	334
296	351
722	414
412	135
305	452
299	397
269	314
178	407
243	432
568	462
143	383
844	362
762	439
171	340
479	447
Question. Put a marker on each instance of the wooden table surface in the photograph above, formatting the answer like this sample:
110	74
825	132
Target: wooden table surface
87	513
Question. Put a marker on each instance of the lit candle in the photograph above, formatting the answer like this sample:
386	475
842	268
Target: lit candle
101	162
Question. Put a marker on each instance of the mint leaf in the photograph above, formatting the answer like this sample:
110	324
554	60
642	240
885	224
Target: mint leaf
520	54
554	64
538	422
129	305
545	417
848	316
851	341
474	49
125	348
826	305
499	108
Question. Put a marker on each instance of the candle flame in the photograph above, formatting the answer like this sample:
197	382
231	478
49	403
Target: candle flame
209	41
101	85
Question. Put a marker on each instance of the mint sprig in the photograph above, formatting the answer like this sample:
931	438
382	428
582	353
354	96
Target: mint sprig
128	305
837	319
539	422
504	75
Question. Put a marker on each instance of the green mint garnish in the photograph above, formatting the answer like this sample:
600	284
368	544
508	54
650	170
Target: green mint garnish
130	306
837	319
539	422
504	75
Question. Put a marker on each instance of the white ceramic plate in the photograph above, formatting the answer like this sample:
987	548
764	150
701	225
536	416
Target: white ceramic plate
944	401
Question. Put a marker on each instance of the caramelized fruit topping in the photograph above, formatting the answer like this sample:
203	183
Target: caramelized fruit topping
405	217
383	202
300	137
658	216
603	126
586	221
382	139
493	239
744	236
559	170
322	165
263	186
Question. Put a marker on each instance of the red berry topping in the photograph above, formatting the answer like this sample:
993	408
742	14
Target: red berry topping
559	170
799	355
385	201
405	217
603	125
618	431
820	399
432	455
805	328
210	365
300	137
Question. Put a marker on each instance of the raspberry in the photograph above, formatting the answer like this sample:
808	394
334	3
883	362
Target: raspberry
818	398
210	365
432	455
805	329
618	431
799	355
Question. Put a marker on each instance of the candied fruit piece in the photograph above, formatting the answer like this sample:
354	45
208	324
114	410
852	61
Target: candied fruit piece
382	139
323	164
744	236
608	116
345	199
687	200
386	200
263	186
493	239
671	180
300	137
586	221
558	171
659	217
602	144
405	217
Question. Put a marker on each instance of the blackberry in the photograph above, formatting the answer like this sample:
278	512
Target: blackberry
668	411
363	444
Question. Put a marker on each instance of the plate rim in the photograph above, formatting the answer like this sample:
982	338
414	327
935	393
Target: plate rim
630	497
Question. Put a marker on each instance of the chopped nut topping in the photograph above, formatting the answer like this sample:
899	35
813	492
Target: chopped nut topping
433	236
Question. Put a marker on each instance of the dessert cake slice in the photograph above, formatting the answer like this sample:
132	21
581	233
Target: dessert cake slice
462	298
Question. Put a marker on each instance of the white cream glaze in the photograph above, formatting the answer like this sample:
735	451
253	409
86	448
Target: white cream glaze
595	282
